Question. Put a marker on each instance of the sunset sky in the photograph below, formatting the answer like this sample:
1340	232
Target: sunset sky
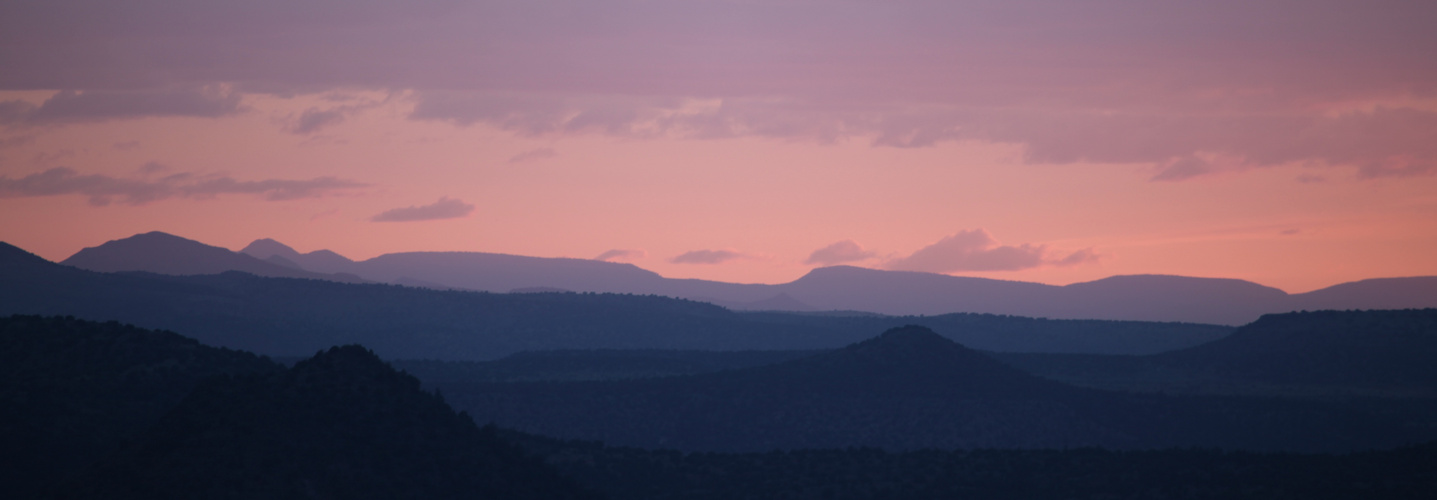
1291	143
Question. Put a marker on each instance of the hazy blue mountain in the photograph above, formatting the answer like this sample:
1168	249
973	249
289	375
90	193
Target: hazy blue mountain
1171	298
1381	293
163	253
323	261
288	317
912	293
910	388
837	288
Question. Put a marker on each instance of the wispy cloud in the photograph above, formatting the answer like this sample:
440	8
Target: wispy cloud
100	105
102	190
622	254
839	253
709	257
533	154
314	119
1084	256
445	208
976	250
1157	84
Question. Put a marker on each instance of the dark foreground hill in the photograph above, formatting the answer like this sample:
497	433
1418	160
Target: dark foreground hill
909	389
1321	353
103	410
294	317
344	425
72	391
339	425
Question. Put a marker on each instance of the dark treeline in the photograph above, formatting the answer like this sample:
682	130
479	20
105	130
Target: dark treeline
1086	473
296	317
1320	354
595	364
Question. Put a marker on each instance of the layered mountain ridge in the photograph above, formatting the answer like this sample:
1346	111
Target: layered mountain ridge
910	388
837	288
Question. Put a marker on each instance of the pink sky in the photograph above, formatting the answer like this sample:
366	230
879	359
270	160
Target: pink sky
1289	143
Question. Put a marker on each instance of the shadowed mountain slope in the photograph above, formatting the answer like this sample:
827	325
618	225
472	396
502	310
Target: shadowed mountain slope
72	391
342	424
1379	348
105	410
1321	353
908	389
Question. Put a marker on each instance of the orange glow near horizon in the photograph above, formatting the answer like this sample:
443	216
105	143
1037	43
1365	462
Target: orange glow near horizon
772	201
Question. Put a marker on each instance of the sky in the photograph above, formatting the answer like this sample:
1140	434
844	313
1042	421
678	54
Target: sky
1290	143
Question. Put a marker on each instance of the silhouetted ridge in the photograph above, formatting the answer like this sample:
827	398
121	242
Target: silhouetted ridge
71	391
1376	348
11	255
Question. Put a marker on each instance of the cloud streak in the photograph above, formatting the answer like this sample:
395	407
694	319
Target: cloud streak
709	257
622	254
838	253
72	106
1168	84
102	190
532	155
976	250
445	208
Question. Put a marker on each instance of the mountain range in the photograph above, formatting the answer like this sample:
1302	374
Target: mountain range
107	410
910	388
837	288
295	317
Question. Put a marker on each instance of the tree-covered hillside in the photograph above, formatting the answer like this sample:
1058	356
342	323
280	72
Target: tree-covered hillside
1324	354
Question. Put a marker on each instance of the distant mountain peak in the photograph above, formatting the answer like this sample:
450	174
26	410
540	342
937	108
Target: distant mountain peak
164	253
265	248
913	335
346	364
911	344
